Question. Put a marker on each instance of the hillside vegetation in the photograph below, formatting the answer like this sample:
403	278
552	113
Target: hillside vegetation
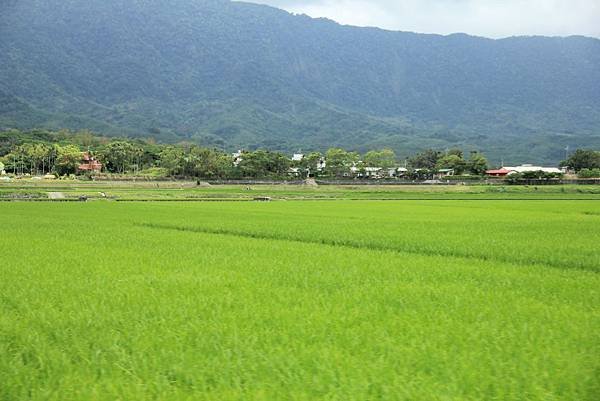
232	75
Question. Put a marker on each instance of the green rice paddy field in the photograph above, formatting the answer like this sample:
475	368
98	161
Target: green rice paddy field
291	300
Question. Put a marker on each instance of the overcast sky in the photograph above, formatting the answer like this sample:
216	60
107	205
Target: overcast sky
491	18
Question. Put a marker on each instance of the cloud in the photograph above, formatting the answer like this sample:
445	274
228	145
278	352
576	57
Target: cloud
491	18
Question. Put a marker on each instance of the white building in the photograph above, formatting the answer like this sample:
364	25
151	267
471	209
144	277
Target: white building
401	171
294	171
237	157
373	171
445	172
369	172
321	164
526	168
297	157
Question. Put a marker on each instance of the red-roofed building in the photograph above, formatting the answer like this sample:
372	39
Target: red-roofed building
498	173
89	163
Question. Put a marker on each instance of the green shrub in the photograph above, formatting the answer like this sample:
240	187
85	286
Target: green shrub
589	173
155	172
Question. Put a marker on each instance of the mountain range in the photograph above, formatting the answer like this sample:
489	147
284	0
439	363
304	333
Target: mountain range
240	75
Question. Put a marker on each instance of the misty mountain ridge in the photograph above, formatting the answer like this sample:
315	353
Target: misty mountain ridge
234	74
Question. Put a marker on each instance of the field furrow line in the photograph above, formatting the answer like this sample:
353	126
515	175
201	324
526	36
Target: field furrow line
370	246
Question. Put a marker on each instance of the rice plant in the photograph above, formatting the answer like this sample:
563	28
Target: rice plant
336	300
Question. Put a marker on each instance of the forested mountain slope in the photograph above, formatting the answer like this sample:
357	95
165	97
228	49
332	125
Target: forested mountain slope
244	75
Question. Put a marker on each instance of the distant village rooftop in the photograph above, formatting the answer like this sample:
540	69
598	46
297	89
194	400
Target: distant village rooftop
523	168
89	163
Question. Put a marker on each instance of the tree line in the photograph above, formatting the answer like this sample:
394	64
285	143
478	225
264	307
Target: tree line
61	153
586	162
41	152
